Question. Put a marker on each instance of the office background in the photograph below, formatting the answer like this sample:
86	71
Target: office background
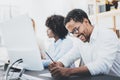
39	10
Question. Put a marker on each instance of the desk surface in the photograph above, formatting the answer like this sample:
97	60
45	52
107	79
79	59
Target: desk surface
37	75
99	77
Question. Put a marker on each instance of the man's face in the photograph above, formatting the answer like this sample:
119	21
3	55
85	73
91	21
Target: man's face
79	30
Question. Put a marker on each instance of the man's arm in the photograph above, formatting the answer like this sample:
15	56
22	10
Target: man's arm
79	71
65	47
60	71
75	54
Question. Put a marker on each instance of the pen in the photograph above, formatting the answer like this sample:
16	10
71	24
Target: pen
49	57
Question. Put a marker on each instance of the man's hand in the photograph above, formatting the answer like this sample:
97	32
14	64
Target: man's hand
57	70
60	72
55	64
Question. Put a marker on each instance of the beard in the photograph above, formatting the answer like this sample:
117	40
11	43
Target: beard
84	38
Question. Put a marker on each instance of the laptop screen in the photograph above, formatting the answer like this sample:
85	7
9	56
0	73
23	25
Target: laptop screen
21	43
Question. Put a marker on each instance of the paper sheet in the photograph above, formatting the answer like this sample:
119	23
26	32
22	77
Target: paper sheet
45	75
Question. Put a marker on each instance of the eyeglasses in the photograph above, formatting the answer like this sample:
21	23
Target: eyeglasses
75	30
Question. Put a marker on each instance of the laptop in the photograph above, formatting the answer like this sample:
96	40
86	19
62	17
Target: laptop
20	41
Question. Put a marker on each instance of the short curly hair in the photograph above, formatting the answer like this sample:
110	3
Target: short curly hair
76	15
56	24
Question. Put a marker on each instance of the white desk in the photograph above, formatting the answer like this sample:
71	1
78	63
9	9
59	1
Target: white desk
99	77
37	76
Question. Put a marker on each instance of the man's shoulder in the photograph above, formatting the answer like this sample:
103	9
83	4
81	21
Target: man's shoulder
106	31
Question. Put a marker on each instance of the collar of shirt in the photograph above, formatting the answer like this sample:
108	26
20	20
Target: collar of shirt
94	34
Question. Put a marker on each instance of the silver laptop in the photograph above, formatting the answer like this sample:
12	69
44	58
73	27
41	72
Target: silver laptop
20	40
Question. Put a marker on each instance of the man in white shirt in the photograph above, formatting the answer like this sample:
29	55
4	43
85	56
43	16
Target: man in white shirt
100	55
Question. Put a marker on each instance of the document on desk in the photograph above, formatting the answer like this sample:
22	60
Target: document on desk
45	75
28	77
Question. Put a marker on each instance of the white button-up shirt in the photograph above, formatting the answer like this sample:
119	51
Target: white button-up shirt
100	55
